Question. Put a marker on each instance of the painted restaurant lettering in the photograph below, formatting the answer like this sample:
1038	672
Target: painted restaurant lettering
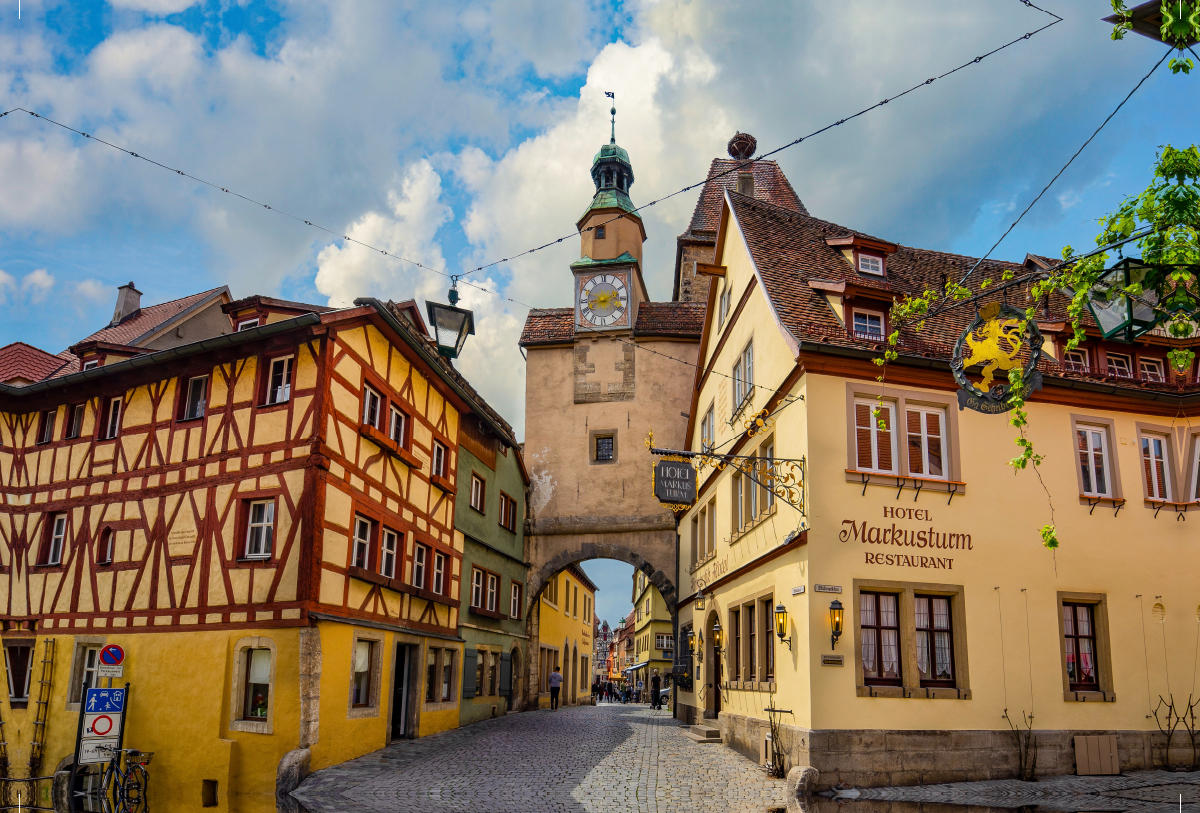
891	534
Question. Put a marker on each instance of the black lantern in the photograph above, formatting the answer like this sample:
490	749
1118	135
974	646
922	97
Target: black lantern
691	638
716	636
835	621
451	325
781	620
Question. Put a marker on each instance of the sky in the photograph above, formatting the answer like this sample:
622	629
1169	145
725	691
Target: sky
458	133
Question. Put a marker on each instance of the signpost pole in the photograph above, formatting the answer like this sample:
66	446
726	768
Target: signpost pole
78	739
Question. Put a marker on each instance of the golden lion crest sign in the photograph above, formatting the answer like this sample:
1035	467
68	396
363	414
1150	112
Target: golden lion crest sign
992	345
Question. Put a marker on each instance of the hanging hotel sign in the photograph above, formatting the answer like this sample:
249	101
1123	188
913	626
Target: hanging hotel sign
675	482
996	343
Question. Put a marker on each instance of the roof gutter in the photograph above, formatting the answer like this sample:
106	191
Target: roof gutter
434	363
151	359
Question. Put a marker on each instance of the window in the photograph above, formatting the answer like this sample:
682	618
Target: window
767	614
1151	370
751	648
880	629
398	431
723	303
364	659
75	420
739	509
599	232
1119	365
481	657
664	641
768	456
89	656
91	364
439	459
18	663
1092	445
247	324
708	430
1076	361
508	512
432	689
57	539
735	651
493	592
260	529
104	551
420	562
197	390
447	674
257	695
477	493
1079	642
876	445
925	442
743	377
439	573
371	407
514	602
362	542
279	382
575	611
868	323
1154	467
870	264
476	587
604	448
46	434
113	425
387	561
935	647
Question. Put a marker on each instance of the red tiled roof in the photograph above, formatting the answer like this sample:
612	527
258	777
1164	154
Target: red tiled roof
148	319
670	319
770	185
548	326
21	361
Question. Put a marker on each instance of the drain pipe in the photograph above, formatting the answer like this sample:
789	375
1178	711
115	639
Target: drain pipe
675	631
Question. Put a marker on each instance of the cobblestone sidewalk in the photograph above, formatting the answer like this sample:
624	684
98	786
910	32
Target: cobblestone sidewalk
586	759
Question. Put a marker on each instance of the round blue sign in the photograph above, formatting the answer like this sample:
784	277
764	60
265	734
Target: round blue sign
112	655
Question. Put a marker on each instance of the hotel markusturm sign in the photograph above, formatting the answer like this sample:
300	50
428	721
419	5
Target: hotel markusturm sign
675	482
907	539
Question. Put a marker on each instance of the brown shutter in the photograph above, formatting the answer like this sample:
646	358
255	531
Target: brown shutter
1146	471
915	463
862	431
933	423
886	463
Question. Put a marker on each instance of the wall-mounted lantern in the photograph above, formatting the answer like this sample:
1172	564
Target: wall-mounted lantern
835	621
716	637
781	622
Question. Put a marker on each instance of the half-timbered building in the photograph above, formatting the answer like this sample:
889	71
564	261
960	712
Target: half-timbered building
259	509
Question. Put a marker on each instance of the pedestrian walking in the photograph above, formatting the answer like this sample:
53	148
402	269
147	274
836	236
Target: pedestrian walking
596	690
608	690
556	679
655	688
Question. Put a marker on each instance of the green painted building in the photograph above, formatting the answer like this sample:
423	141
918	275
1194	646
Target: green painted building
489	512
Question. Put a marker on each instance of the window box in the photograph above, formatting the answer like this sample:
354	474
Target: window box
488	613
443	483
410	459
369	576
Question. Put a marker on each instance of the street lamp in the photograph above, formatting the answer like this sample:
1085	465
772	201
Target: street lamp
716	637
451	325
835	621
781	620
691	639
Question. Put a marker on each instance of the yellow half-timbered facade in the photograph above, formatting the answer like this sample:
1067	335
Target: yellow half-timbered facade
262	519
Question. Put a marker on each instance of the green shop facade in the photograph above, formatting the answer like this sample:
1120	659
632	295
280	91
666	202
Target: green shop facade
490	513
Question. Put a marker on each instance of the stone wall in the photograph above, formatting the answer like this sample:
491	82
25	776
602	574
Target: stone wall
691	287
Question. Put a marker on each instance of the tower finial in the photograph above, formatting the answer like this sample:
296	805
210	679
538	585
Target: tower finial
613	138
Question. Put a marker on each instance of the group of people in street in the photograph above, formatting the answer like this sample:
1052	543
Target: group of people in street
607	692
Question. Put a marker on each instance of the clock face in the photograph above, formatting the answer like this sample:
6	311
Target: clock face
603	300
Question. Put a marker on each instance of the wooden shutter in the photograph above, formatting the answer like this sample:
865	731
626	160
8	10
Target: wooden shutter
470	663
862	433
933	428
884	438
506	674
916	457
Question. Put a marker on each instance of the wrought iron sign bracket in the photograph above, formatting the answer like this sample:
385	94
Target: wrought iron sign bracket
900	482
866	481
953	489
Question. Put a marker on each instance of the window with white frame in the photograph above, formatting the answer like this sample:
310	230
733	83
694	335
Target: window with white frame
723	302
477	492
260	529
664	641
868	323
439	573
514	601
1154	467
739	506
388	548
247	324
1091	444
105	550
113	425
1076	360
493	592
364	661
708	428
926	441
362	542
743	377
75	420
1151	370
476	587
870	264
197	391
874	436
89	658
91	364
18	662
508	512
257	692
439	459
279	381
420	564
768	455
372	407
398	430
1119	364
47	431
57	541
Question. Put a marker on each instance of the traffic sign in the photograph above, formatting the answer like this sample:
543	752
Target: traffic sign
104	701
103	670
112	655
96	751
101	725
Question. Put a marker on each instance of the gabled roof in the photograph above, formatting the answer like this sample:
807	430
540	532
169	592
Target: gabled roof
21	363
146	322
681	319
548	326
270	303
770	185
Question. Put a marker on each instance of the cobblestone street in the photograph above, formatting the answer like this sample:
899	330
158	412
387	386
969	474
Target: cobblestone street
593	759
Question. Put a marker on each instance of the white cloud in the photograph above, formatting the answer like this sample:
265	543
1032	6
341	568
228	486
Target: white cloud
159	7
36	285
7	286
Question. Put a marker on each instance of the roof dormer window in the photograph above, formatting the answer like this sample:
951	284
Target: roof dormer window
870	264
91	364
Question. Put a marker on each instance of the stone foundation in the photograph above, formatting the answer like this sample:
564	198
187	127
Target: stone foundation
881	758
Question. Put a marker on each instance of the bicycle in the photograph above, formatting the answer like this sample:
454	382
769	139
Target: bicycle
125	790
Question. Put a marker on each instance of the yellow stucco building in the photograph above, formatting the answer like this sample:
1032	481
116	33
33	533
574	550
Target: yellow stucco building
653	635
566	607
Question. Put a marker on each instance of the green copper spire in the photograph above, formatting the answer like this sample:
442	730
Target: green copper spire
612	171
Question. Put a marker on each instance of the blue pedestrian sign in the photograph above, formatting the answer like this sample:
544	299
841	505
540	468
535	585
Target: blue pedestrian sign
104	701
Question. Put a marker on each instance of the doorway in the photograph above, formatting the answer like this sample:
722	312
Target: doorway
712	671
402	701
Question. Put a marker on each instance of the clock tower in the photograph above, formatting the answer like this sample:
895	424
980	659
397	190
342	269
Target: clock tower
608	275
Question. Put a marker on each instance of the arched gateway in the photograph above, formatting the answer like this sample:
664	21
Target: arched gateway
599	377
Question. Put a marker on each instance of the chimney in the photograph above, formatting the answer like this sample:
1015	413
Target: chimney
129	302
745	184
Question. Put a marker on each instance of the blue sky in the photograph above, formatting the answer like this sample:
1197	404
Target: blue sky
459	132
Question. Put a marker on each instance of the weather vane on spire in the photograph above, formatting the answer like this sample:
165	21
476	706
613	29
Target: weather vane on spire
613	138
